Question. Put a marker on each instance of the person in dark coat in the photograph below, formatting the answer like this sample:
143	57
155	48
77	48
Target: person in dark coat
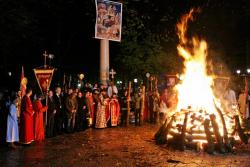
96	101
81	112
59	116
71	106
51	114
4	105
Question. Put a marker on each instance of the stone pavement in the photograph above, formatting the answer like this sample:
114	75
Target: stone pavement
115	147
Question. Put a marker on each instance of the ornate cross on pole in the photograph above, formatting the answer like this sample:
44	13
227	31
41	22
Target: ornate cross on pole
112	73
49	56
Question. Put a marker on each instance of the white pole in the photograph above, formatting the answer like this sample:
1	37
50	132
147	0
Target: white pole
104	61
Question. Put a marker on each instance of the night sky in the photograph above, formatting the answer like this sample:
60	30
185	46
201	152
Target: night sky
66	29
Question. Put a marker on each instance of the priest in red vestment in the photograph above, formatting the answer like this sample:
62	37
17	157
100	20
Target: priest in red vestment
38	119
26	128
114	110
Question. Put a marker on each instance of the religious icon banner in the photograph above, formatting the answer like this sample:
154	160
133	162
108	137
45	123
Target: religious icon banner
108	20
44	77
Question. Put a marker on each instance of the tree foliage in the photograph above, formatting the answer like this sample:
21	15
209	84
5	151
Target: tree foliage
142	47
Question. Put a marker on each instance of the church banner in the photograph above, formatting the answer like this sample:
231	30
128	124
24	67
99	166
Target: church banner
108	20
44	77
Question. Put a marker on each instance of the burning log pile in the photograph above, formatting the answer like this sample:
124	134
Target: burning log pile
200	119
200	131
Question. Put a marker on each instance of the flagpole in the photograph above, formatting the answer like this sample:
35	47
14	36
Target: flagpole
46	103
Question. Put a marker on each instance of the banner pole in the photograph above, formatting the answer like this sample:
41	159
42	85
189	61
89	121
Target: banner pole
46	103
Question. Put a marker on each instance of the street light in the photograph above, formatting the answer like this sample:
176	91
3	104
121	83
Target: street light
238	71
248	70
119	82
81	76
135	80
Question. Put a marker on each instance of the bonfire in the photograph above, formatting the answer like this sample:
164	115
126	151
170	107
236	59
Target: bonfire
198	120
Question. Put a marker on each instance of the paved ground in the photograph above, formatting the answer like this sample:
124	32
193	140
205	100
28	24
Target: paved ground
115	147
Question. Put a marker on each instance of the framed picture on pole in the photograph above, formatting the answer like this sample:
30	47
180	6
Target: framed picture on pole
108	20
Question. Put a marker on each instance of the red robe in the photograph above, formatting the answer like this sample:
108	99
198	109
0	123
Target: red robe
107	111
38	120
114	110
26	129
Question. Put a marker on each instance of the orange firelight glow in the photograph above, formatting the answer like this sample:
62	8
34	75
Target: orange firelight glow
195	90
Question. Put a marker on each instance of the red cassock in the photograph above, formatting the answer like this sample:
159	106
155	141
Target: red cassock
26	129
38	120
114	108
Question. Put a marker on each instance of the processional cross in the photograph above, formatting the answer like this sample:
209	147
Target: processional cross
112	73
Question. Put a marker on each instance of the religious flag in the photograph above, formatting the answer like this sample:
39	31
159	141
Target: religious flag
44	77
108	20
23	83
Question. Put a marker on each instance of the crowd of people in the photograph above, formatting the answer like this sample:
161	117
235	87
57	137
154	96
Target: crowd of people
28	118
33	117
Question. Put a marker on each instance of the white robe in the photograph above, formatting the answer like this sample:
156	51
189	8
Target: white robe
12	134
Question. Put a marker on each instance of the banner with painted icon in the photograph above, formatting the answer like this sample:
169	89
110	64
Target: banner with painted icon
44	77
108	20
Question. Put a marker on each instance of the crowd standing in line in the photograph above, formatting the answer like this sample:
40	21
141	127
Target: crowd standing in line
99	106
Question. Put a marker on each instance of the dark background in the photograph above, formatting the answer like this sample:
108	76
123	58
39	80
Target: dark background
66	29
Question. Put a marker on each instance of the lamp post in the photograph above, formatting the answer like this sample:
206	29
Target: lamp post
238	72
248	71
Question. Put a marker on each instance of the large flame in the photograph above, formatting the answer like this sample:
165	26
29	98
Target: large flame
196	87
195	91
